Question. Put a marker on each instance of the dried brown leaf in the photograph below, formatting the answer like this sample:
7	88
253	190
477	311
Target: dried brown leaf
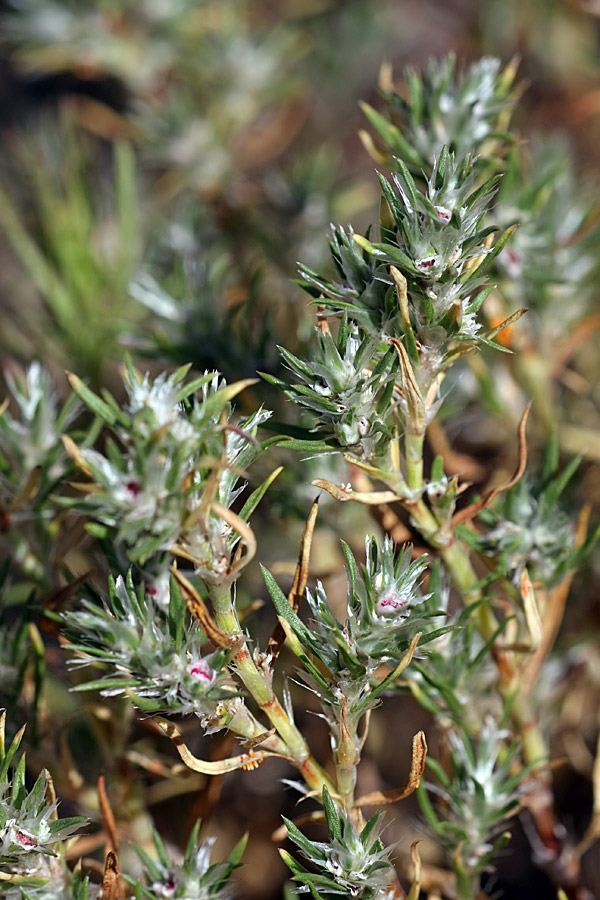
299	584
199	611
417	767
469	512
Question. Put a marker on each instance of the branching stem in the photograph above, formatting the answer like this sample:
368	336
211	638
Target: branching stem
258	685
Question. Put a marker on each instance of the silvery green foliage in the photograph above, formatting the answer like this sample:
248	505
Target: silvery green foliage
553	255
350	864
456	683
481	792
193	877
436	242
32	437
169	443
155	655
29	830
526	527
385	611
444	108
435	237
352	402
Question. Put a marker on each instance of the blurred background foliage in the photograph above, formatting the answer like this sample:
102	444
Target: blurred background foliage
165	164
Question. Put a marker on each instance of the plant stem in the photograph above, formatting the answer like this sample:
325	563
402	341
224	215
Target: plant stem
464	578
260	688
466	884
413	446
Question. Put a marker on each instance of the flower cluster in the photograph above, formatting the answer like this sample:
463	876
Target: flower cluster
386	611
458	110
552	259
31	440
526	527
353	863
149	653
482	790
418	286
438	240
351	397
192	877
29	827
175	454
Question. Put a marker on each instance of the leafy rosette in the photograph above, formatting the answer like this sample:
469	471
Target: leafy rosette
156	657
352	863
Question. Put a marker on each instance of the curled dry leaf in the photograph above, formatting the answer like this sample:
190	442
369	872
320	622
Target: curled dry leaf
216	767
417	767
370	498
199	610
469	512
110	878
298	585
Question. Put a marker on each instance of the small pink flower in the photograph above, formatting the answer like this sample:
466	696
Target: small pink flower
133	488
165	888
425	265
25	839
389	603
201	671
443	214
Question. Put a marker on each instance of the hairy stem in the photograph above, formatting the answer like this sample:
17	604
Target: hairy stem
413	446
260	688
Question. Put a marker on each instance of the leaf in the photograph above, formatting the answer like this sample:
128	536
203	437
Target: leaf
57	825
477	506
98	406
213	767
392	136
504	238
8	758
332	816
417	767
370	498
387	681
415	888
176	614
257	495
283	608
299	584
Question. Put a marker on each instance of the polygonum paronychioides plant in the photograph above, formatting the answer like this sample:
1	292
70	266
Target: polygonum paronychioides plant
462	616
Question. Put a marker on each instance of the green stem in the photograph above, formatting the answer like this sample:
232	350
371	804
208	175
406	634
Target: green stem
467	884
413	447
457	560
260	688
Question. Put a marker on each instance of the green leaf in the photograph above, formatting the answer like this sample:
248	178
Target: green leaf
57	825
483	266
8	758
331	815
98	406
176	614
392	136
161	850
151	865
106	683
410	185
312	851
257	495
309	446
280	602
